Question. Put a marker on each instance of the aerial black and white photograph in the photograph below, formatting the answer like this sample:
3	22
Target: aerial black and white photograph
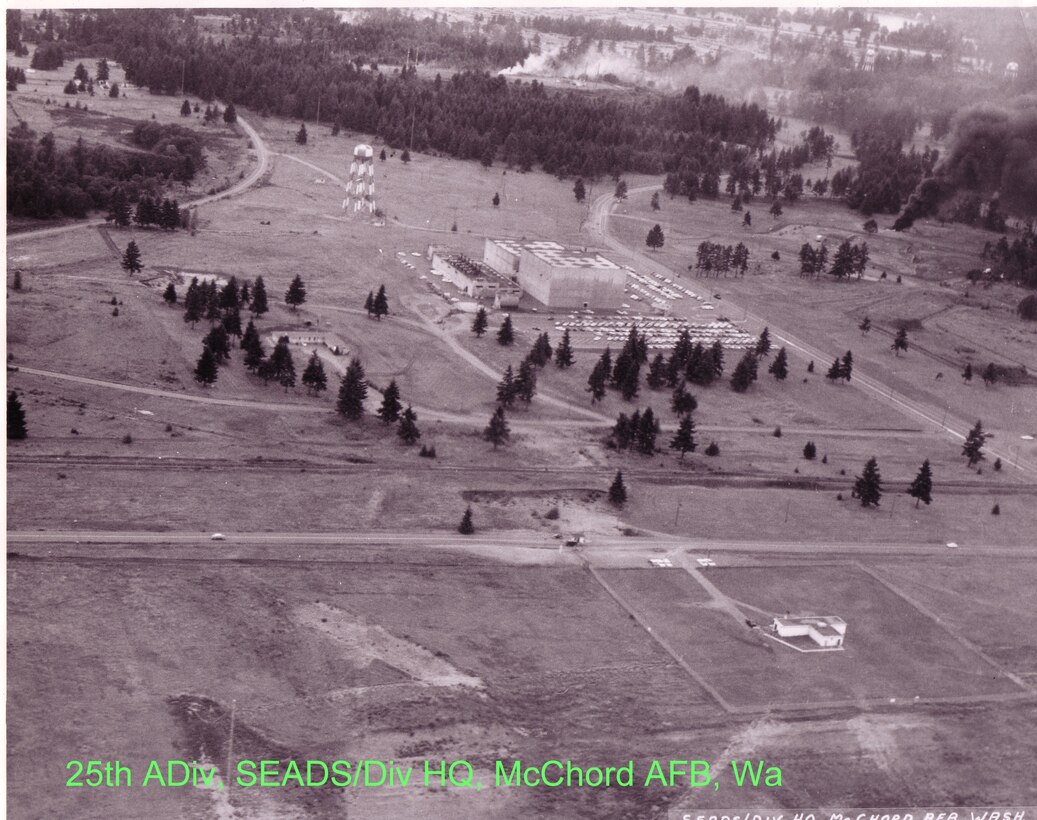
529	412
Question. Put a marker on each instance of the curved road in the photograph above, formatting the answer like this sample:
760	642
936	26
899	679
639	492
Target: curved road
598	225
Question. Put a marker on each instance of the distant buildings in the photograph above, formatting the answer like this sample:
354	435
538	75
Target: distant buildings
558	276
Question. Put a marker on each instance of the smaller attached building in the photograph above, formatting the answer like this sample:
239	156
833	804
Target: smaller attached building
477	279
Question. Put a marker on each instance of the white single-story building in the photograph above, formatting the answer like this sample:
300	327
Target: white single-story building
825	630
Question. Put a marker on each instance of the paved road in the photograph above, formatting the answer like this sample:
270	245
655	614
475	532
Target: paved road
605	549
262	165
598	223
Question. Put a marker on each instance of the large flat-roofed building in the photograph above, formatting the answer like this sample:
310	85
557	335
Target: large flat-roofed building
558	276
477	279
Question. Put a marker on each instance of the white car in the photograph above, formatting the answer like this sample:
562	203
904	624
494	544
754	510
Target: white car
218	536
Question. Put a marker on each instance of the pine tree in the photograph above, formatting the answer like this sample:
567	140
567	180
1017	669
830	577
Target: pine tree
712	450
352	392
389	411
922	487
230	114
763	344
259	303
683	403
868	486
506	334
466	527
598	380
966	374
232	322
479	323
835	371
296	293
900	342
119	209
16	427
744	373
103	72
846	370
185	109
381	156
301	136
526	381
280	366
972	449
579	190
776	208
865	325
621	189
219	343
131	258
618	490
405	156
810	451
990	374
655	201
684	441
369	303
506	388
655	238
244	297
780	366
497	431
408	429
313	377
170	294
206	370
564	351
380	305
647	431
17	283
496	200
229	299
656	373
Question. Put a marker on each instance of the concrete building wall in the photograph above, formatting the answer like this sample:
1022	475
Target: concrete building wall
571	286
500	257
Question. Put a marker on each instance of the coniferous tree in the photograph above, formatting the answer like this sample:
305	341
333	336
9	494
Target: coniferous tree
185	109
712	449
296	293
621	189
835	371
763	344
810	451
506	388
313	377
206	370
369	303
623	432
259	304
966	374
17	283
922	487
579	190
170	294
230	114
232	322
244	297
466	527
655	201
497	431
131	258
119	209
868	486
564	351
496	200
990	374
647	431
280	365
103	71
219	343
506	334
683	403
389	411
479	323
655	238
684	440
618	490
16	427
301	136
780	366
972	449
900	342
352	392
405	156
744	373
846	368
657	373
526	381
865	325
598	380
380	305
408	429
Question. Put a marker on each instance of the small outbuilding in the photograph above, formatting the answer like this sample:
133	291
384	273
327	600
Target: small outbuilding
827	631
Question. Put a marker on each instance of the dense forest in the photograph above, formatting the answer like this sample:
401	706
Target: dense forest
44	181
470	116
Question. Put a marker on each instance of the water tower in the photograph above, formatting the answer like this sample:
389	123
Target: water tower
360	188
